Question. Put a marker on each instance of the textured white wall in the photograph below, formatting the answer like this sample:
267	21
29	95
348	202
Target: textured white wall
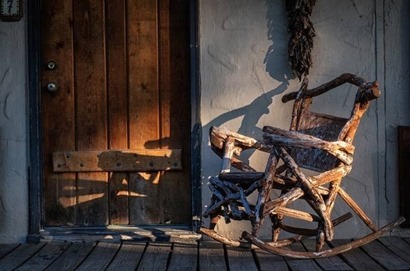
13	133
396	104
244	73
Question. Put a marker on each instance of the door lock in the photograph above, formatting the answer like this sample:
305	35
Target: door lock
52	87
51	65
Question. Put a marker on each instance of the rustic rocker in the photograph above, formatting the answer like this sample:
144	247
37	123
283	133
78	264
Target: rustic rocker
318	142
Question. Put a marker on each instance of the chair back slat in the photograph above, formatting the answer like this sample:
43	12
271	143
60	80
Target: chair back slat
321	126
326	127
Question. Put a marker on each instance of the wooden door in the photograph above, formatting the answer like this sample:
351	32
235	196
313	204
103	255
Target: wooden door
115	76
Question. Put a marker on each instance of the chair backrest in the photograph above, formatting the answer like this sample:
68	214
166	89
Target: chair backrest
327	127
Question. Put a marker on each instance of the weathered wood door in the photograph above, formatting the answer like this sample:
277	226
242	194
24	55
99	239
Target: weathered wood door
115	75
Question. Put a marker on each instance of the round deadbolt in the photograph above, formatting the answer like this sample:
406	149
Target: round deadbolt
52	87
51	65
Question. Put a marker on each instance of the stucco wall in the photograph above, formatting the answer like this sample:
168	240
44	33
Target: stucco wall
244	73
396	104
13	133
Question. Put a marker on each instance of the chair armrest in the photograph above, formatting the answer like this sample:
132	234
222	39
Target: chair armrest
221	143
278	137
219	135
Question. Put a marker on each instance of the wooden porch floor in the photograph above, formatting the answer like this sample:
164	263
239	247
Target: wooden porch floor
387	253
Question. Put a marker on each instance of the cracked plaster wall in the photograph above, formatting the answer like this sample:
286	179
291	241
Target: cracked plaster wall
244	73
13	133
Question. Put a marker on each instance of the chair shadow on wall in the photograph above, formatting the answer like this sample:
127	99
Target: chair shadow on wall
276	65
251	114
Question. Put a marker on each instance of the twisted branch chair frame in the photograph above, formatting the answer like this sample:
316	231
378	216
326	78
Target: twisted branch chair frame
318	142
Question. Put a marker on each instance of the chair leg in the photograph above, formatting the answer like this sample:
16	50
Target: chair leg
310	191
363	216
264	192
276	222
320	237
333	191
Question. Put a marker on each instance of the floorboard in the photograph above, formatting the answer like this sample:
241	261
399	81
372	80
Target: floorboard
155	257
384	254
211	257
19	256
301	264
385	257
267	261
72	257
6	249
241	259
357	258
329	263
45	257
184	257
100	257
127	257
407	240
398	246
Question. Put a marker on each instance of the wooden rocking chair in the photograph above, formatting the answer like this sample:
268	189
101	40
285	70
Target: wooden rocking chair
317	142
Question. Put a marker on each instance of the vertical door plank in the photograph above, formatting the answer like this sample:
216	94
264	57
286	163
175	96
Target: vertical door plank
117	105
142	46
174	106
164	63
181	126
91	105
57	46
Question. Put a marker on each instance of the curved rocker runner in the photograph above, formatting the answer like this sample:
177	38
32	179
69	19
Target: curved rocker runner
318	142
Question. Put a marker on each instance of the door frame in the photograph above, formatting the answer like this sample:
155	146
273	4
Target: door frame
35	155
